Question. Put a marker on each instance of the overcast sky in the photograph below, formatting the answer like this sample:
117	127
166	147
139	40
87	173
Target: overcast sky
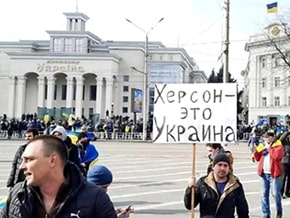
196	25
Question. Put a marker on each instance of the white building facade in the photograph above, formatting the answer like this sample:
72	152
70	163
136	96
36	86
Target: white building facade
77	72
267	77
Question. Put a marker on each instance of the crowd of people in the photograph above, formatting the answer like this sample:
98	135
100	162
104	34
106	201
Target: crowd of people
117	127
220	193
51	176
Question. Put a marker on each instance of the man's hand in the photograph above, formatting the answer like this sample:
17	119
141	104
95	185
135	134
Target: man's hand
265	152
191	182
124	213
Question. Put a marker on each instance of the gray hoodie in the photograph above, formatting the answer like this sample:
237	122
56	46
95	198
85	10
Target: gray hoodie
61	130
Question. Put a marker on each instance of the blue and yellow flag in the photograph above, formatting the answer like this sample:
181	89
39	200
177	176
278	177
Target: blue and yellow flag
3	202
65	115
272	8
46	117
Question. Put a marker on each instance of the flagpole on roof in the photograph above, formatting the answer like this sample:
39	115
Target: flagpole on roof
226	43
77	6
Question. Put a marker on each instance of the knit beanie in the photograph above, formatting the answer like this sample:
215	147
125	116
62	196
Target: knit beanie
82	135
61	130
221	157
99	175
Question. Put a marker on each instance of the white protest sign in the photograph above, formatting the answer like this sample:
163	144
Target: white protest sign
195	113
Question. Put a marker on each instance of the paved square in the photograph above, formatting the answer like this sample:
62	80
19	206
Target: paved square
153	177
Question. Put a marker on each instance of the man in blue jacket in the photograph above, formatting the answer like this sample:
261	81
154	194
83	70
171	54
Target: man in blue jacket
54	187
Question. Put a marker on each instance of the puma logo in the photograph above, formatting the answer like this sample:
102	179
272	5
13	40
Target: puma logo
77	215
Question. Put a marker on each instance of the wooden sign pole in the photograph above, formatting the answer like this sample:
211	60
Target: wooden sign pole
193	176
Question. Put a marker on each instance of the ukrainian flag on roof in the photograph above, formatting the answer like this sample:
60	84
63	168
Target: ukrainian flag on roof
272	8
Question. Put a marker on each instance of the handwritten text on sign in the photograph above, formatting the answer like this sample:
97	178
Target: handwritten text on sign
191	113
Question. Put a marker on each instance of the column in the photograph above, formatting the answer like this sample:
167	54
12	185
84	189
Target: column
99	100
41	87
69	91
50	92
21	83
11	98
109	93
79	96
73	25
79	25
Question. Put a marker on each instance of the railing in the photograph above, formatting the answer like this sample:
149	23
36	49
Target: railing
99	135
131	136
121	136
15	134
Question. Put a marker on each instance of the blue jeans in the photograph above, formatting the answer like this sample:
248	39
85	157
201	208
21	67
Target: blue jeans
273	184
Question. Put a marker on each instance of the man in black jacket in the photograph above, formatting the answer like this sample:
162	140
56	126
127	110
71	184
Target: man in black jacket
54	187
219	193
285	139
16	175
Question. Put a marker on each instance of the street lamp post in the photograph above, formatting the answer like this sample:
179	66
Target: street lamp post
145	75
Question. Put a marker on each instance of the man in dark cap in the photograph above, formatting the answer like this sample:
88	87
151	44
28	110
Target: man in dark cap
101	176
219	193
88	152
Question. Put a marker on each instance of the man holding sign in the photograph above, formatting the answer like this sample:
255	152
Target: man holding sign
200	113
219	193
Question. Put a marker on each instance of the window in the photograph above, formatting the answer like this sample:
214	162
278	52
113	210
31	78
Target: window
126	78
74	91
288	100
62	108
277	82
57	45
91	111
276	60
45	91
277	101
55	92
125	109
264	101
68	45
84	94
63	92
125	88
79	45
288	56
263	62
93	92
125	99
264	82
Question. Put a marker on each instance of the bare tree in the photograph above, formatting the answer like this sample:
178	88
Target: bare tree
279	37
